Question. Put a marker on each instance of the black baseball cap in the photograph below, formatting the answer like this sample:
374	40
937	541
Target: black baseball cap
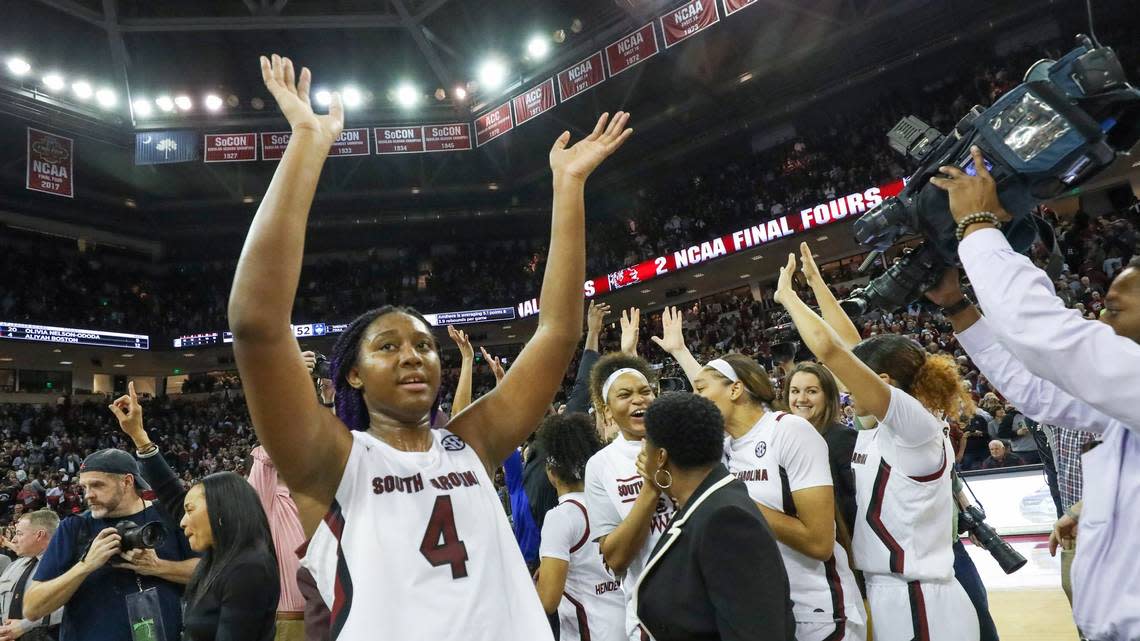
114	461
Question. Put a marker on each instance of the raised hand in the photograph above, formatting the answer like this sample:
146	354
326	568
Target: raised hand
292	96
596	316
672	337
106	545
948	290
630	330
310	359
494	364
461	341
810	269
970	194
784	289
129	413
583	157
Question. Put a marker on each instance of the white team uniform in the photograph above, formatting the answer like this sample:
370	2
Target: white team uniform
417	546
780	455
900	540
612	486
593	604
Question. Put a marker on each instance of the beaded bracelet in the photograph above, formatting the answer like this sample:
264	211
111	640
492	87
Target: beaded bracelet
980	217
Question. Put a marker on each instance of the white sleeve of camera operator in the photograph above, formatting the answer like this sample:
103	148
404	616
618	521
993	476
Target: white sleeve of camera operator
1085	359
1033	396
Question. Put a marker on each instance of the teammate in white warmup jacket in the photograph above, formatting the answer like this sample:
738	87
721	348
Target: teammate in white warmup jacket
416	545
572	580
902	476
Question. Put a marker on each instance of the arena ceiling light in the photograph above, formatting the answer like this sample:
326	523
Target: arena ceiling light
165	103
407	96
351	97
54	82
183	102
18	66
537	47
106	98
492	73
460	93
213	102
142	108
82	89
324	98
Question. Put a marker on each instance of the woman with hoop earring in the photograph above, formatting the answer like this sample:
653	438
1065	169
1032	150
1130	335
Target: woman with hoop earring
716	572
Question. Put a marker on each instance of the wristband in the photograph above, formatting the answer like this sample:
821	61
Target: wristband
979	217
957	308
147	451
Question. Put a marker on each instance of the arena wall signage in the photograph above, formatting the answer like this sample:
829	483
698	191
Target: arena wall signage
352	142
51	164
72	336
833	211
493	124
162	147
229	147
399	140
534	102
273	144
688	20
582	76
451	137
632	49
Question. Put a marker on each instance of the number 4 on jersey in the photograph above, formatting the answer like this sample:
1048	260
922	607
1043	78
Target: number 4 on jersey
441	544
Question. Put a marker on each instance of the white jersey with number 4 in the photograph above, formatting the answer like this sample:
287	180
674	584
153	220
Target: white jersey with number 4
612	486
416	545
780	455
593	604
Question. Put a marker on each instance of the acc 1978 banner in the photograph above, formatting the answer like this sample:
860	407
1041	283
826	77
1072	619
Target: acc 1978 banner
493	124
51	166
688	20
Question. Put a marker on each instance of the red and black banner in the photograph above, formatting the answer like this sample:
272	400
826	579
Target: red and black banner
732	6
51	163
399	140
580	77
229	147
493	124
635	48
273	144
450	137
351	142
688	20
534	102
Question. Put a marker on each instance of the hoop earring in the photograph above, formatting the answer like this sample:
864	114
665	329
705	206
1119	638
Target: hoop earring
659	484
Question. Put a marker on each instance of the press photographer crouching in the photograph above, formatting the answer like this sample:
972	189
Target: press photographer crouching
98	566
234	590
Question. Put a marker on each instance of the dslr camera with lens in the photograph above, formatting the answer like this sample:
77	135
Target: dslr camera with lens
972	520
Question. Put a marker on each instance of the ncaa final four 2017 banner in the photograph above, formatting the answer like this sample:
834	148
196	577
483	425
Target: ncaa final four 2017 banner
786	226
688	20
51	166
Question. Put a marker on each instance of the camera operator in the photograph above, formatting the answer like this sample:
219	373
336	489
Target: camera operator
1057	367
84	569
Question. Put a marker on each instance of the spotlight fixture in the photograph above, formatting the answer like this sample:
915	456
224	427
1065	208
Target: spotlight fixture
559	36
492	74
537	47
106	98
576	25
142	107
213	102
324	98
18	66
460	93
54	82
257	103
183	103
351	97
232	101
165	103
440	94
407	96
82	89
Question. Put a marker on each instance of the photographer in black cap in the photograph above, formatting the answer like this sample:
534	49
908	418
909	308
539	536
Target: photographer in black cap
119	567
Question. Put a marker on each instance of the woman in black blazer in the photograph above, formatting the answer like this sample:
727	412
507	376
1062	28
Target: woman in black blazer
716	573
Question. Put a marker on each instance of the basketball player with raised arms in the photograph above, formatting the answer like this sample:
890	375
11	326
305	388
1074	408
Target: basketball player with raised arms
902	474
418	546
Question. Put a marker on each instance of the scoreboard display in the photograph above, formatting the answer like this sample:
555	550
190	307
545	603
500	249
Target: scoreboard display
73	336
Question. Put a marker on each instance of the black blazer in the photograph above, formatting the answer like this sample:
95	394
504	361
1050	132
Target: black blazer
716	573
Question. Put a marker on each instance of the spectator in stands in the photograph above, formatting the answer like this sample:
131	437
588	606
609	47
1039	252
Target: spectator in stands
1018	431
29	541
1000	456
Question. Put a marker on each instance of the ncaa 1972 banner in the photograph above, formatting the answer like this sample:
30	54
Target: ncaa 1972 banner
50	163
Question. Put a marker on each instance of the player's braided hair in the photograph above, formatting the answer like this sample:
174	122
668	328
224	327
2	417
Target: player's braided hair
568	441
350	406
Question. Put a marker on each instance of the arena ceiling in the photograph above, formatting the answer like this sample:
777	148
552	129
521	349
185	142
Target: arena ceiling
793	53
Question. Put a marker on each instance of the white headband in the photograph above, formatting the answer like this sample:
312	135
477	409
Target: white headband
724	368
613	377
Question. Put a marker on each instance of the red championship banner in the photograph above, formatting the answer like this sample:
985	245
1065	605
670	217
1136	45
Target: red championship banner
230	147
399	140
273	144
51	165
580	77
493	124
533	102
639	46
688	20
732	6
789	225
351	142
450	137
